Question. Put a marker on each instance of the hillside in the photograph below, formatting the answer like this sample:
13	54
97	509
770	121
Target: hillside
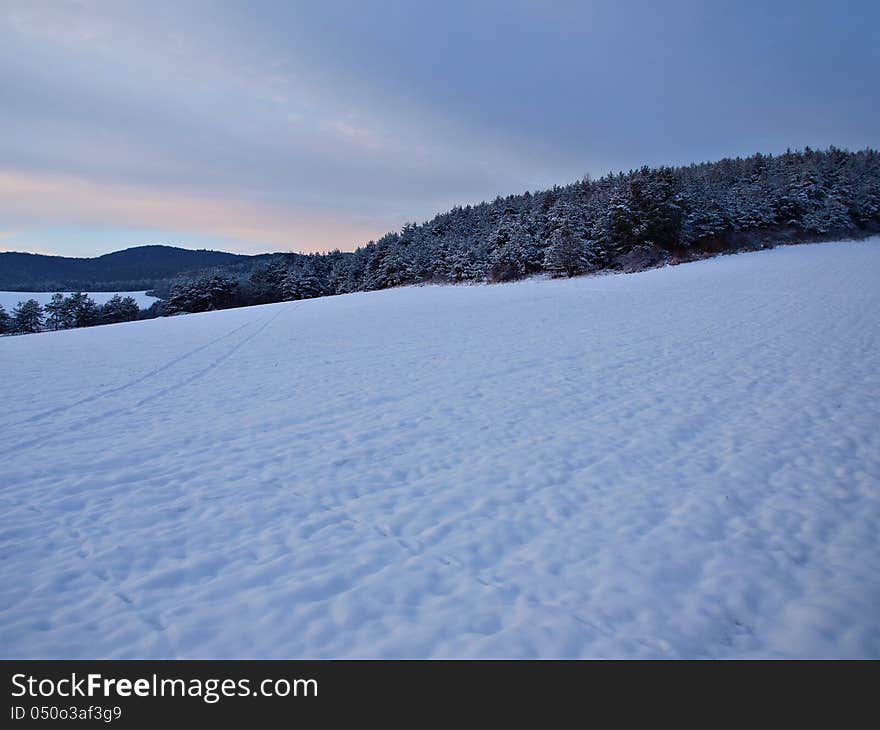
620	223
134	269
626	222
683	462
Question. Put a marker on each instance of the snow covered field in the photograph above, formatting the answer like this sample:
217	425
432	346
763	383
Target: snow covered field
679	463
8	299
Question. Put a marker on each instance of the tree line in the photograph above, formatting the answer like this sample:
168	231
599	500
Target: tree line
622	222
67	312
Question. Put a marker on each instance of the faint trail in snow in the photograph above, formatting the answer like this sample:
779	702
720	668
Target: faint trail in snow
212	365
131	383
128	408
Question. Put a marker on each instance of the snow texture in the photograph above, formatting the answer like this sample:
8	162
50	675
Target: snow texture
8	299
683	462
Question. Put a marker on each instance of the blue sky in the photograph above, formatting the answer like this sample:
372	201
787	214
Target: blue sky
256	126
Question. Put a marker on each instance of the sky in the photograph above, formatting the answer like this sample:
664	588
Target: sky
277	125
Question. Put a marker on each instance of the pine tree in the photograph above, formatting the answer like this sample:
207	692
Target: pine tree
703	216
119	309
266	280
83	310
5	321
513	253
211	290
566	255
305	281
27	317
59	313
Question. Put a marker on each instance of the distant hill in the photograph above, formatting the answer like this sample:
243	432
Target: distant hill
134	269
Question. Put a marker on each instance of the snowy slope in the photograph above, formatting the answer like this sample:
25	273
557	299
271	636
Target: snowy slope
8	299
679	463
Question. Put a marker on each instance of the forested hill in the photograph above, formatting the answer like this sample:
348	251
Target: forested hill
623	222
134	269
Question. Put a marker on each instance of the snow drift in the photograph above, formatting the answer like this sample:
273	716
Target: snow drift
683	462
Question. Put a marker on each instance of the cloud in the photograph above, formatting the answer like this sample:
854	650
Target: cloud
25	198
308	125
11	241
221	104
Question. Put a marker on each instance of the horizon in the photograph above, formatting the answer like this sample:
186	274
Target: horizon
194	247
291	128
142	245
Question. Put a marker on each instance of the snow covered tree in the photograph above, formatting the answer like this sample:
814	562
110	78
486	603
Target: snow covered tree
514	253
703	217
266	281
209	291
119	309
655	207
613	228
305	281
566	255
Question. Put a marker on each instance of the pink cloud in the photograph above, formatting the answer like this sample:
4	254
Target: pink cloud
51	200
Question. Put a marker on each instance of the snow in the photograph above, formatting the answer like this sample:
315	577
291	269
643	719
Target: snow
683	462
9	299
